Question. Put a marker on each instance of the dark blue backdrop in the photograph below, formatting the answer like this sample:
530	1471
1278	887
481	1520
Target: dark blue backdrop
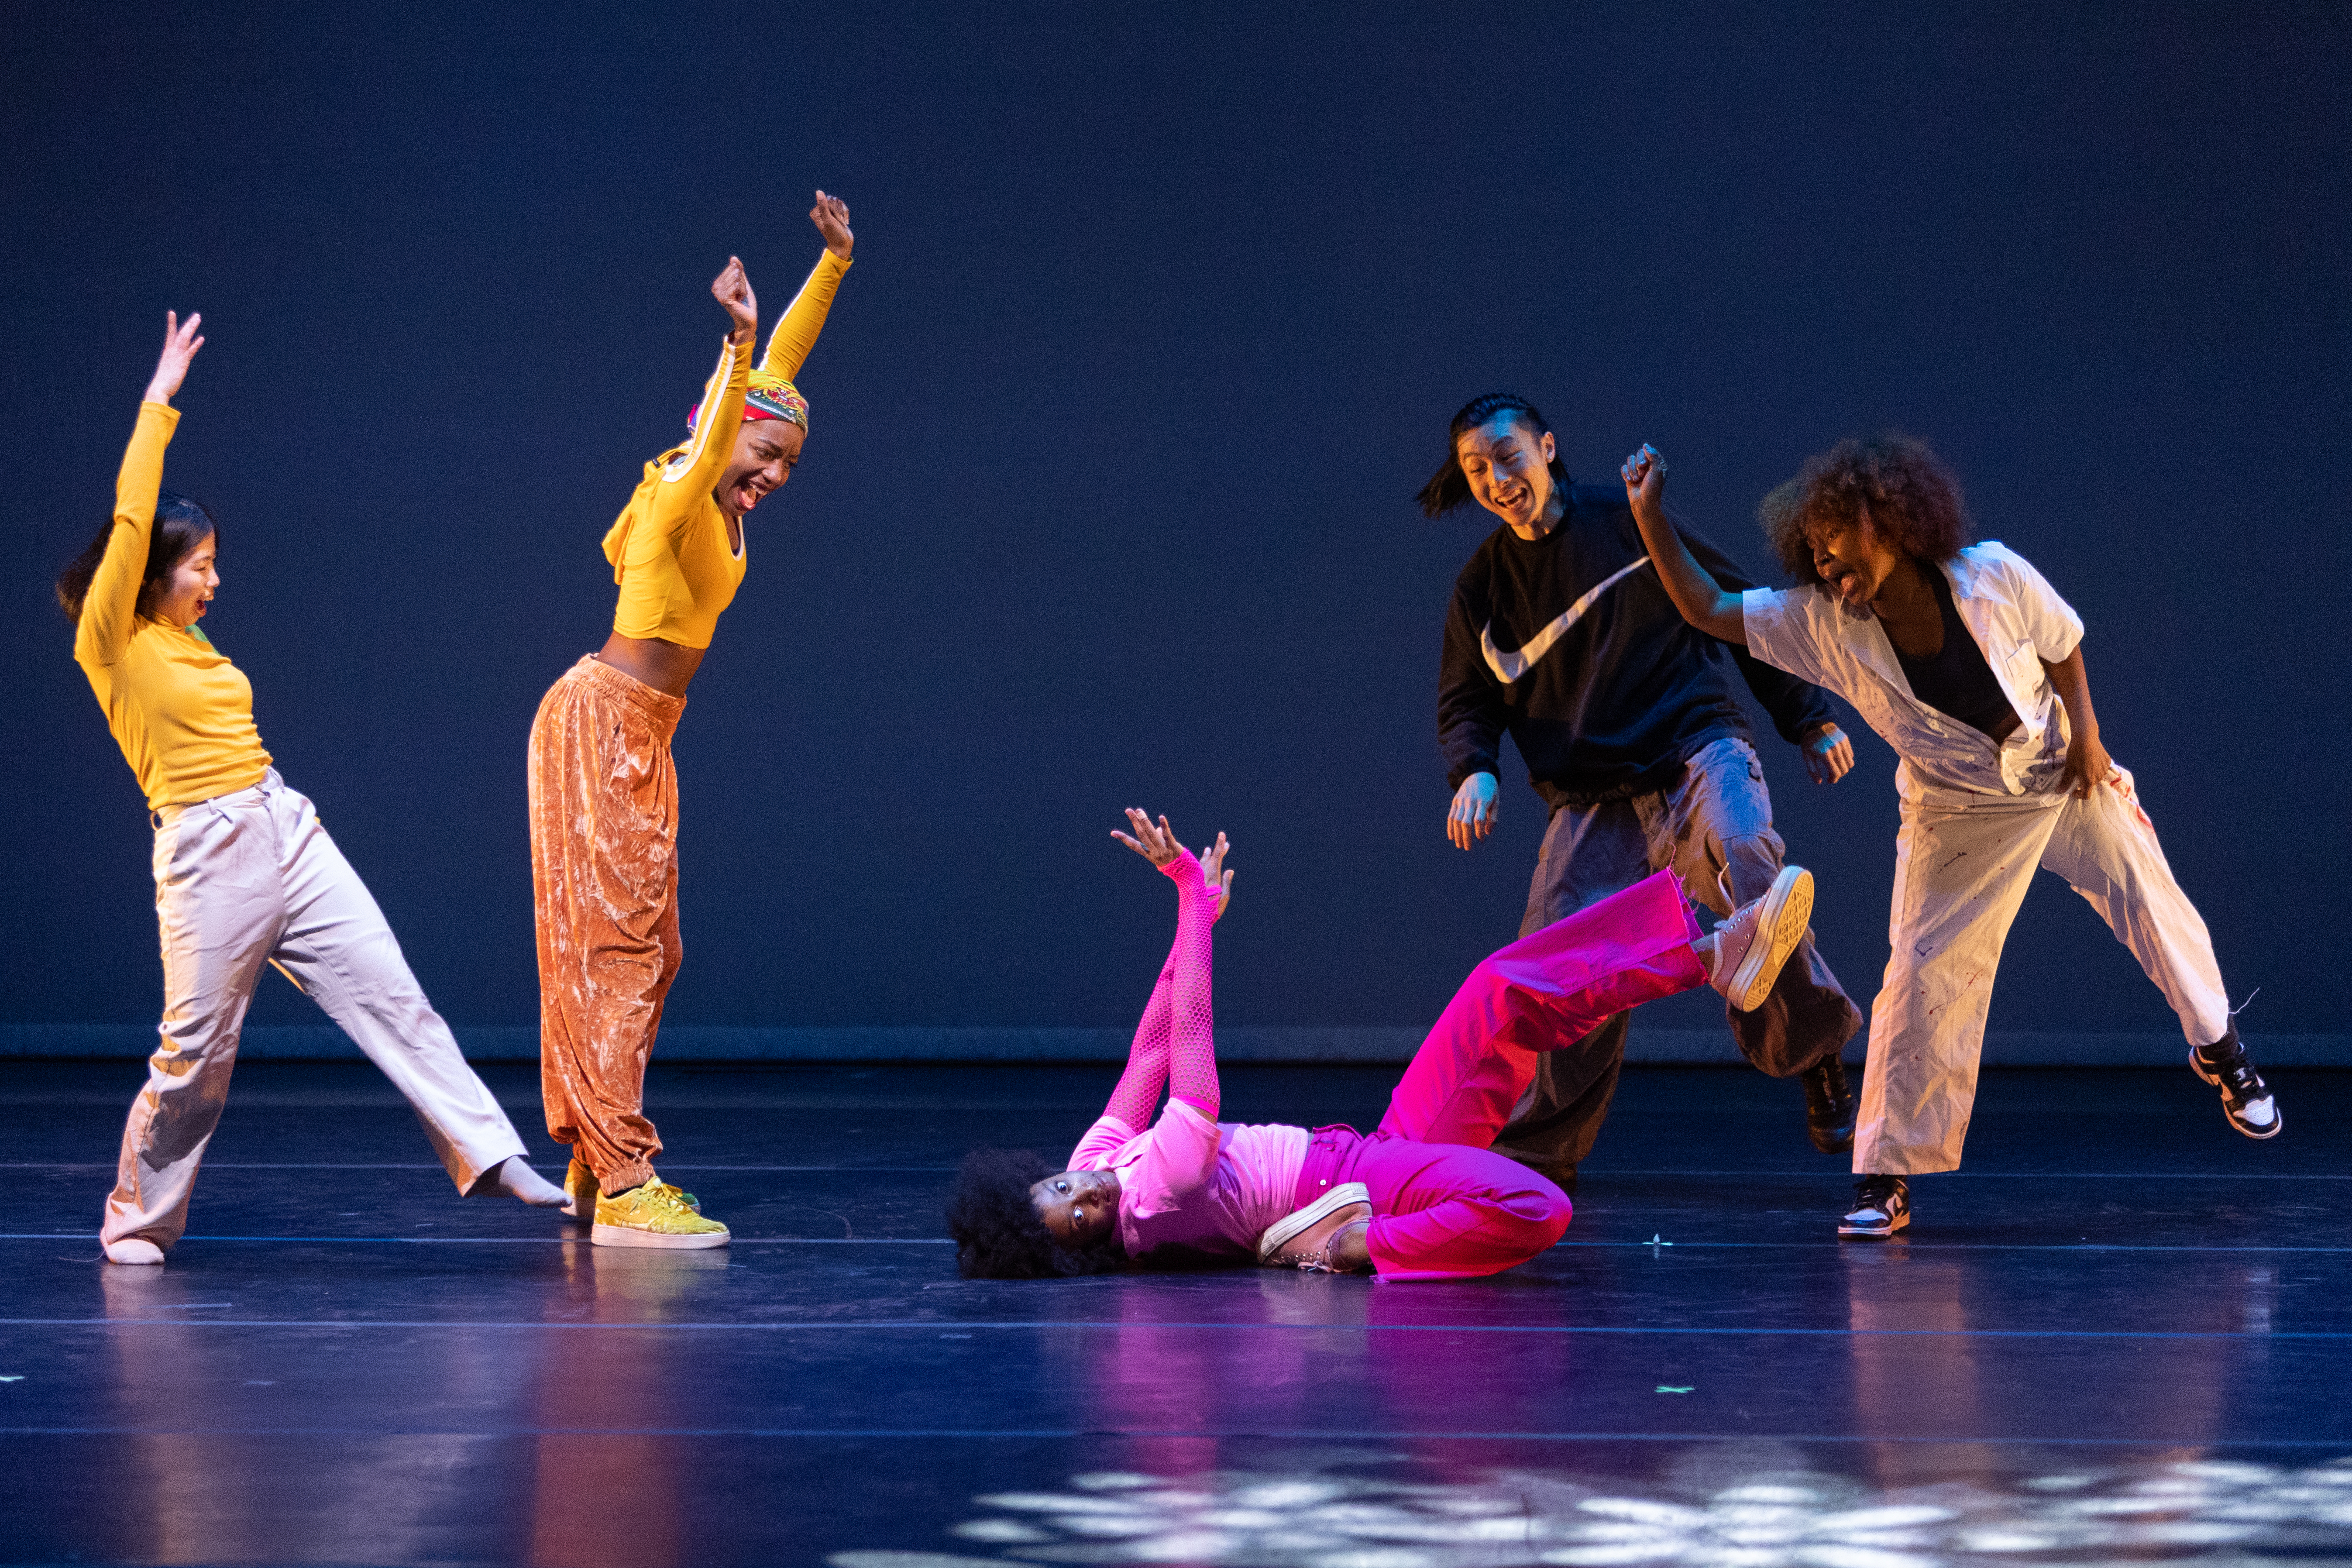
1153	331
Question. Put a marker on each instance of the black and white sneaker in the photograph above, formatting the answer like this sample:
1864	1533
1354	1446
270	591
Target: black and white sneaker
2246	1099
1829	1107
1882	1206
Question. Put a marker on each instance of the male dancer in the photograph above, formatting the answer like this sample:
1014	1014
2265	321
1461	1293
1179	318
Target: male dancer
1560	633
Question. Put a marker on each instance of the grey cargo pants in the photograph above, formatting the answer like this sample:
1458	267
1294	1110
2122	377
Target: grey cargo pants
1717	819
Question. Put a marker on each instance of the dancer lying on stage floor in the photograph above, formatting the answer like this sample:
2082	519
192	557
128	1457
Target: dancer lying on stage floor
243	873
604	790
1970	666
1422	1198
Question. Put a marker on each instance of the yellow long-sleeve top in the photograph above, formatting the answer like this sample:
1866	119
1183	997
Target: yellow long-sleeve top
180	711
668	547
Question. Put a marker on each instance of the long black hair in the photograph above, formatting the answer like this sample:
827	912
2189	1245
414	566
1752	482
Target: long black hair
1450	487
998	1232
181	525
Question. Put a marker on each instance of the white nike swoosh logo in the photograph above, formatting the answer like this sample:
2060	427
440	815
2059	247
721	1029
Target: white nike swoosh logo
1510	667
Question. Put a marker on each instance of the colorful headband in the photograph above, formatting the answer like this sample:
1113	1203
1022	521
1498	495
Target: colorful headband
770	396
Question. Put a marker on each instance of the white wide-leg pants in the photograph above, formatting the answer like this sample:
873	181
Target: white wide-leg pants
1962	861
247	878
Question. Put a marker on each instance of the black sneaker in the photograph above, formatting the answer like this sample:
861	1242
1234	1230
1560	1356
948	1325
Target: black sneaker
1829	1107
1882	1206
2246	1099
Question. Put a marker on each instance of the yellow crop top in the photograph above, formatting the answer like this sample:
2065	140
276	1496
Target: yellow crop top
180	711
668	547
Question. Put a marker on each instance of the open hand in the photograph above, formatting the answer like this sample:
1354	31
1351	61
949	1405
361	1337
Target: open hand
1220	877
181	342
1829	754
1156	842
1645	474
831	216
1474	812
732	289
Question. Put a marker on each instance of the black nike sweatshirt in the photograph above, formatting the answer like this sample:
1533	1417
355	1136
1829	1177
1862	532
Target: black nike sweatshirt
1571	646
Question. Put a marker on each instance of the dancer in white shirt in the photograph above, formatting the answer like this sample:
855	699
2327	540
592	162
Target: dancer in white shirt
1970	666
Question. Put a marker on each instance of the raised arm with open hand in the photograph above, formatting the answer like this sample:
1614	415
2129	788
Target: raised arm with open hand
1156	842
1192	1043
1147	1057
1699	596
181	342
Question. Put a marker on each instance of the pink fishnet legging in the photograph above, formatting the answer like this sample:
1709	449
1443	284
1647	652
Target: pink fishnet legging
1176	1038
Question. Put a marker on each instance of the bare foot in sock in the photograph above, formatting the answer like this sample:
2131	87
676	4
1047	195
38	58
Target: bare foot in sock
515	1179
133	1249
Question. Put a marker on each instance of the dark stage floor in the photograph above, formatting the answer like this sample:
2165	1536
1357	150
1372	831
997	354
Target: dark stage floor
2124	1333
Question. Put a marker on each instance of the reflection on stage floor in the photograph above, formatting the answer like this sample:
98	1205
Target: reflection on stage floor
2122	1333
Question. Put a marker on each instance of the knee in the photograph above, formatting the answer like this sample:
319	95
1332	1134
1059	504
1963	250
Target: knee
1558	1211
1538	1211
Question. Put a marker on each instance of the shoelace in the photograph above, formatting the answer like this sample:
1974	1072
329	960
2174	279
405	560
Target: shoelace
1319	1261
661	1195
2237	1075
1730	928
1876	1193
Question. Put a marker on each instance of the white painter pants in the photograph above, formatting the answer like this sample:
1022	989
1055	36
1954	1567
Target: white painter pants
1962	861
240	880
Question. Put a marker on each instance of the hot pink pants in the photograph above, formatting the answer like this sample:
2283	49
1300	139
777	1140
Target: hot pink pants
1445	1205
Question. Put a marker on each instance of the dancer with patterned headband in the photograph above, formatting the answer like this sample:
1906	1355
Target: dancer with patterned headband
1422	1198
244	872
603	792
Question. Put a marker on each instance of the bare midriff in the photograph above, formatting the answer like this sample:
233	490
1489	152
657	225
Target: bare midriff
666	667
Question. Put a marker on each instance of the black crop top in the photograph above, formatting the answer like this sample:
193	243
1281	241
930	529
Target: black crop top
1956	680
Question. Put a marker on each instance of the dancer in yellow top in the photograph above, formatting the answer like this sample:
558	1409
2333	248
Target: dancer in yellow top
603	792
243	873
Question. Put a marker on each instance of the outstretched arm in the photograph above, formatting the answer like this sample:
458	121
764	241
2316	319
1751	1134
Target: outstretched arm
796	329
110	606
1801	710
1201	892
1699	596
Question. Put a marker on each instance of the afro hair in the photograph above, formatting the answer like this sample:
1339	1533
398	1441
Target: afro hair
998	1234
1914	501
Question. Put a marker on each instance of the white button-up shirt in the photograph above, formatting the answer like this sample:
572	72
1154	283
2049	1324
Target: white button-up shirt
2017	621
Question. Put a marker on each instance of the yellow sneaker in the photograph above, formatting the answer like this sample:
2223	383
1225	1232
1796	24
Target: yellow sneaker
580	1187
655	1214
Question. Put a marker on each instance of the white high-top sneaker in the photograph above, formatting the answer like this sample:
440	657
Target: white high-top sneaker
1756	938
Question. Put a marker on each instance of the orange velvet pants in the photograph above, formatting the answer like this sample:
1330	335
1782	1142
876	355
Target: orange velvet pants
603	872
